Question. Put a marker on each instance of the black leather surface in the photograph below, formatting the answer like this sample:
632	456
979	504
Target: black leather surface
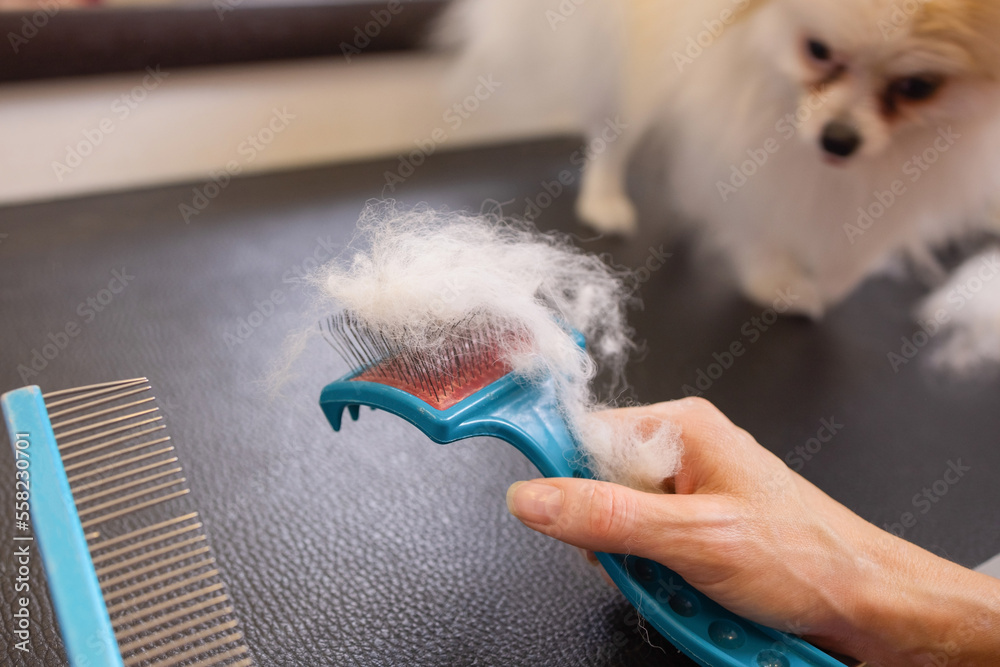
376	547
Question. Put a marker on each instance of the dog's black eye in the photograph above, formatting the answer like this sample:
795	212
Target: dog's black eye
915	88
818	49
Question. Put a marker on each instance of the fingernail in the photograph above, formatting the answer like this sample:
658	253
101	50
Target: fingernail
536	502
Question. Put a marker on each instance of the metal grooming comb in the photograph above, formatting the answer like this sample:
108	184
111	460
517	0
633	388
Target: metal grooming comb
467	392
131	575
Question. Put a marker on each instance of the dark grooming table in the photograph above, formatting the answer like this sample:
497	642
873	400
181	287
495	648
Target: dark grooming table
377	547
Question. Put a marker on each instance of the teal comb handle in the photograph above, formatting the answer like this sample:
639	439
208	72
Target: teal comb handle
69	571
526	415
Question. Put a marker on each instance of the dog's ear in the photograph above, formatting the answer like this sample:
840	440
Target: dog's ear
968	28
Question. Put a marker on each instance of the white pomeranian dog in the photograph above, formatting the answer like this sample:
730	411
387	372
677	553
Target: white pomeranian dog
815	141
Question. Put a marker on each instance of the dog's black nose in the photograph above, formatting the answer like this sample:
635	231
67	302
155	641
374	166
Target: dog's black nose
840	139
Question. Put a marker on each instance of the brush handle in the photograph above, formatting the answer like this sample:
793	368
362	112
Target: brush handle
527	416
76	595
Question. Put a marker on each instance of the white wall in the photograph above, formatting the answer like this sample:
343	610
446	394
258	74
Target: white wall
67	137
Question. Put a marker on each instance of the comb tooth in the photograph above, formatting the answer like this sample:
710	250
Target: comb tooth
141	531
361	341
379	347
107	422
170	616
125	591
170	661
144	543
129	496
245	662
105	434
340	328
157	651
160	582
399	365
121	463
405	362
334	336
160	592
146	640
111	455
127	485
451	370
115	396
427	374
132	574
76	390
328	333
127	473
143	557
123	622
228	655
91	394
134	508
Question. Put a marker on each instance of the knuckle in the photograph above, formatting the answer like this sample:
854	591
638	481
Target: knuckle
700	406
610	514
701	416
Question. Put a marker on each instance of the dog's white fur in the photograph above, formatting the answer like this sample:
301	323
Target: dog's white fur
430	282
794	225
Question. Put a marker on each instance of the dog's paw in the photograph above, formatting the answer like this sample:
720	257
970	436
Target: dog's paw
611	214
786	289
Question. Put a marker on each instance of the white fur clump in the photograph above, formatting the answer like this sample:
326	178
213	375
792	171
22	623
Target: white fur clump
640	452
422	274
969	306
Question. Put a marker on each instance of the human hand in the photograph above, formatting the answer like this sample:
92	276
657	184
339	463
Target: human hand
770	546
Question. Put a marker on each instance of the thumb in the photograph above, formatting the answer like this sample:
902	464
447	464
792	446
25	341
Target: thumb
601	516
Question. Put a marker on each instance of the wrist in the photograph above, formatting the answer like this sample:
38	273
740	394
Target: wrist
913	608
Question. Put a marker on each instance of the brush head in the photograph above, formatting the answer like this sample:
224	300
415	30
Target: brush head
466	358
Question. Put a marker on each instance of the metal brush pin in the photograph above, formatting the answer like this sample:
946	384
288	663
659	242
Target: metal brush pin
465	389
131	576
